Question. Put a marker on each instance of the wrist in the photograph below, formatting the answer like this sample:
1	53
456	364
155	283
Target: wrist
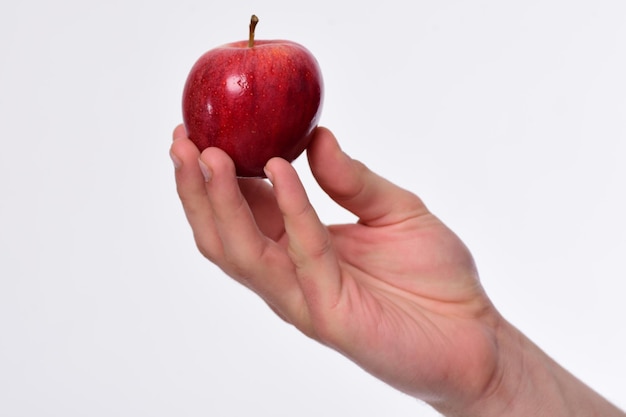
525	382
517	362
528	382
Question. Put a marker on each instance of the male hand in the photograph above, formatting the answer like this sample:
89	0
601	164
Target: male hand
397	292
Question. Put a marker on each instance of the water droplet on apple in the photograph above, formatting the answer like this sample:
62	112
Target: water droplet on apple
237	84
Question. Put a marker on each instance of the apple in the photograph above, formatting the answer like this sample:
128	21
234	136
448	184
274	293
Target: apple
255	100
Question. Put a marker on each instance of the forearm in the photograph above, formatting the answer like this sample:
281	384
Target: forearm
530	383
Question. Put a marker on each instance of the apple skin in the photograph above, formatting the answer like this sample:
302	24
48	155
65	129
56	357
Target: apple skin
255	102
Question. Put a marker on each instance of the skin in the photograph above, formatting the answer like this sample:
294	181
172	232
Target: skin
254	102
396	292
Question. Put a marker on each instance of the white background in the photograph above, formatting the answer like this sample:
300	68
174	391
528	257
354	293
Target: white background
507	118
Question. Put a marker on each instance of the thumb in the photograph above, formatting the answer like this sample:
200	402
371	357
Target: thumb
373	199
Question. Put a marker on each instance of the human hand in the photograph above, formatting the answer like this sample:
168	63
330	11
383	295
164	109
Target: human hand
397	292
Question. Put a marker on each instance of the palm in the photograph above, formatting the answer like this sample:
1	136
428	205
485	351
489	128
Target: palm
410	299
421	305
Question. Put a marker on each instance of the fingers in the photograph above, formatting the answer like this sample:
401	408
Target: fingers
190	186
310	246
192	189
218	213
247	254
373	199
241	239
225	227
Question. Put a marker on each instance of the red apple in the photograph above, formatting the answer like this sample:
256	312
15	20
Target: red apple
255	100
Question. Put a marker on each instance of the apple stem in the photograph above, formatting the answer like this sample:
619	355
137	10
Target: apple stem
253	21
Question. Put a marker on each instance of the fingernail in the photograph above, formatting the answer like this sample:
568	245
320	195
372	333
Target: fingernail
176	160
206	171
268	174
